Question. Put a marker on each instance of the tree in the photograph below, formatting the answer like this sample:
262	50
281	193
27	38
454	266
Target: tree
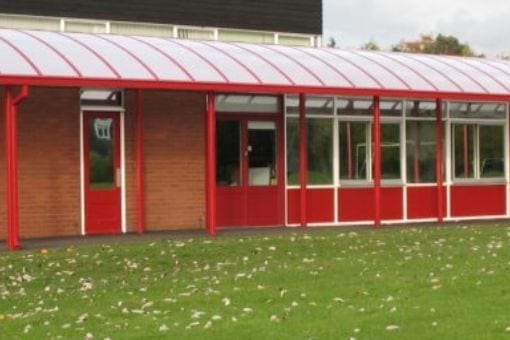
371	46
441	44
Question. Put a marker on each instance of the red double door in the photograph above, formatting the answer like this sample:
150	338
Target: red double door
102	172
249	171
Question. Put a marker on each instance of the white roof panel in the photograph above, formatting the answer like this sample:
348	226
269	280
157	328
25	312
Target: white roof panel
108	57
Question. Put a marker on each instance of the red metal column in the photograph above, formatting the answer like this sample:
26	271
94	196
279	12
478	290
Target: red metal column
211	164
377	162
11	156
140	197
303	158
439	159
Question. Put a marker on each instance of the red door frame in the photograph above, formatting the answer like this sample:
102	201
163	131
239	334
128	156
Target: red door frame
244	118
88	116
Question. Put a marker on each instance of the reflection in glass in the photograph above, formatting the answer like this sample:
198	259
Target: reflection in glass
101	157
228	153
421	151
262	153
353	150
492	161
292	151
320	151
390	151
478	110
464	146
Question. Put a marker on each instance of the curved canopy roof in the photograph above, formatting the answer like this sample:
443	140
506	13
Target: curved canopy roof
39	57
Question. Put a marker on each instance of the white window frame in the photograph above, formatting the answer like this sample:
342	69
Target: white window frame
476	178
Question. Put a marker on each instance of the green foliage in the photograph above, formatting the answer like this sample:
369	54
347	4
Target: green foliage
441	44
371	46
448	44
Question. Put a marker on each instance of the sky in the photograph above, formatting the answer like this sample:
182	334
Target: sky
483	24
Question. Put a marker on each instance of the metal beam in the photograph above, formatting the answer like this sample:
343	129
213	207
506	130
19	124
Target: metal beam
303	160
211	164
377	162
11	155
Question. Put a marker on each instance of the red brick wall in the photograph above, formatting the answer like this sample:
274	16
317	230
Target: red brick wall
49	173
174	159
49	162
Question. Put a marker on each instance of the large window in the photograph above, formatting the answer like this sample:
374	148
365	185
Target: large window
292	151
421	151
228	171
478	140
390	151
341	130
320	151
478	151
492	156
319	120
464	150
354	150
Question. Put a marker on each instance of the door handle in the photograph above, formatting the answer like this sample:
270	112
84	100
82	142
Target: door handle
117	177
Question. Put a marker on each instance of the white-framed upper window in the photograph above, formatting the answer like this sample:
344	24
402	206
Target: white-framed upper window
113	98
248	103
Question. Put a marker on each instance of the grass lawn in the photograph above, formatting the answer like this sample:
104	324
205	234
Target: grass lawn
416	282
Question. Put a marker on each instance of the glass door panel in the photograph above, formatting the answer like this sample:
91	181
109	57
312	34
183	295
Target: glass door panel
101	154
228	171
262	153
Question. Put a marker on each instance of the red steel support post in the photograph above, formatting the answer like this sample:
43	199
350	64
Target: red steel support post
211	164
11	156
439	159
377	162
303	159
140	192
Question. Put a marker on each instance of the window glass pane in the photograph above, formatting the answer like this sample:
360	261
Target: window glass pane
422	109
492	160
246	36
195	33
464	145
319	105
354	151
228	171
150	30
314	105
292	151
85	26
102	169
294	40
390	149
421	151
101	97
478	110
247	103
391	108
262	153
354	106
29	22
320	151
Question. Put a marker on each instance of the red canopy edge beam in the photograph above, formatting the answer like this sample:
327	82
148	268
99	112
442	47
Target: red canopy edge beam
377	162
244	88
439	159
140	189
211	164
303	160
11	140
